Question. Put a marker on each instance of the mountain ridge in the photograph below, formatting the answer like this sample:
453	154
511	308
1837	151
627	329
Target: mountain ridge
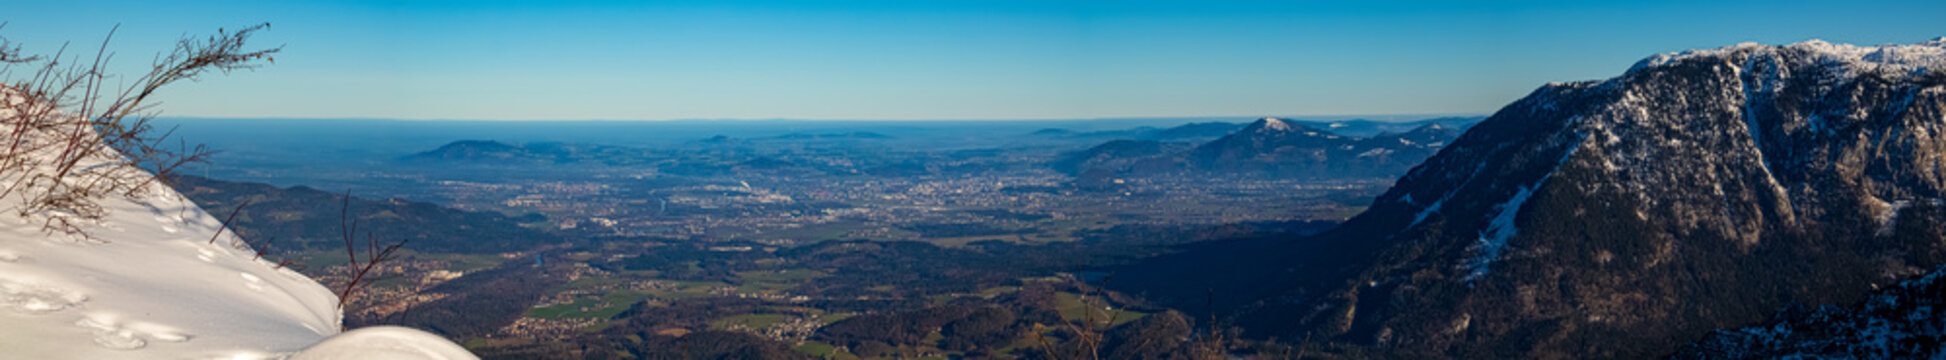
1577	219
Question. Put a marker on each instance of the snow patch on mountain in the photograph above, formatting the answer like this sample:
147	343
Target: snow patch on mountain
1911	59
1493	241
1273	124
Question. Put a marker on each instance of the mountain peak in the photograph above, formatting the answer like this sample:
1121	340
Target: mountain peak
1271	124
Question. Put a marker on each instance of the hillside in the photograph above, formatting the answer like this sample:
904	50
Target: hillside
1623	217
1899	321
306	219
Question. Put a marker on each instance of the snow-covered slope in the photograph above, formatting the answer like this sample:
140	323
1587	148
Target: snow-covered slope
154	278
384	343
151	284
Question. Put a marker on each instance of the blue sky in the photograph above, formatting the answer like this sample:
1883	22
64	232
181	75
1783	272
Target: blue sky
928	59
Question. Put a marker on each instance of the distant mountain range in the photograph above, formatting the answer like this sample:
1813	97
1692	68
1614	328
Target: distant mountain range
1625	218
500	153
1269	147
1199	131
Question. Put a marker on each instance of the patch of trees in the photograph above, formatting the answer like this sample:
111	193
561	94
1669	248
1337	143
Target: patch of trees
872	335
476	305
643	333
981	331
697	261
908	267
702	345
686	314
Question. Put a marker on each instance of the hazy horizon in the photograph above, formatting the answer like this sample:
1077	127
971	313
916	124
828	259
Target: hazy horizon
1143	119
893	60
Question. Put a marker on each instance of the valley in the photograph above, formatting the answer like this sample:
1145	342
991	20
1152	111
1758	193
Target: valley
793	244
1599	217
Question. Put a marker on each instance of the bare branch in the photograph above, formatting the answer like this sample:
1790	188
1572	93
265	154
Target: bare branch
360	271
70	141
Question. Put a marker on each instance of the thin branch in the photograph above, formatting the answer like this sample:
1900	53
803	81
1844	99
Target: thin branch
74	141
227	220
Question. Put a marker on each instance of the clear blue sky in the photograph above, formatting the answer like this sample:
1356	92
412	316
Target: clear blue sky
929	59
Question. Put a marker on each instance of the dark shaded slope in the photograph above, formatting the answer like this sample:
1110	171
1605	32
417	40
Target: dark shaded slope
302	218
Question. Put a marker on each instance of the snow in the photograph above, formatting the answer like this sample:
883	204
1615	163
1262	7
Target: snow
1428	211
1271	123
384	343
1893	59
1889	217
151	279
1437	204
1501	228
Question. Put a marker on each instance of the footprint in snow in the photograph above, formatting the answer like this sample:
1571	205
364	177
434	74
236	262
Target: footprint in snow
252	281
37	299
109	335
158	332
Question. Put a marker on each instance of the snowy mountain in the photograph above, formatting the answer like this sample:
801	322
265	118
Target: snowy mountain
157	278
1624	217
